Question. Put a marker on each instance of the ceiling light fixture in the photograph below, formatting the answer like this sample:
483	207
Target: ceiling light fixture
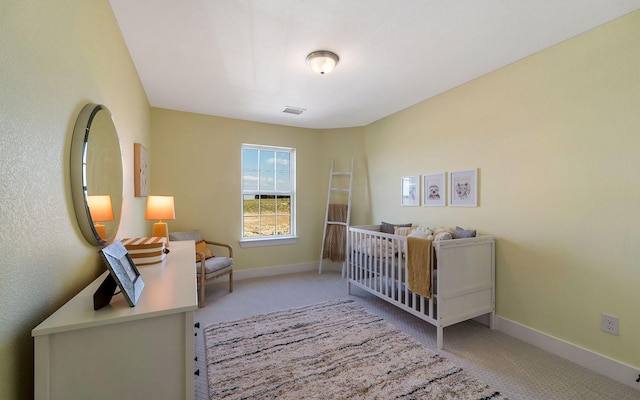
322	61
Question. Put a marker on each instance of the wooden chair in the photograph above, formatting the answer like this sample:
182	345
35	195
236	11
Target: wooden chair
214	266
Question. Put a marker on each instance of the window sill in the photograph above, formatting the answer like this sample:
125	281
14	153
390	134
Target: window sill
262	242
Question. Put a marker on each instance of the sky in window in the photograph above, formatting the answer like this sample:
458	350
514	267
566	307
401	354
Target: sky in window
266	170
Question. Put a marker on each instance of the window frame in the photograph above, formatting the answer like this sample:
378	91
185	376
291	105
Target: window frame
268	240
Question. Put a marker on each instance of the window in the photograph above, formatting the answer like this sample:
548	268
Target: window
268	192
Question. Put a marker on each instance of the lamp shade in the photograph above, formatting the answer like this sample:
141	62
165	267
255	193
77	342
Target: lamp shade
100	208
322	61
160	207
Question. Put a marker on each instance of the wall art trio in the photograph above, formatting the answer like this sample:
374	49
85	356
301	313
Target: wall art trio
462	190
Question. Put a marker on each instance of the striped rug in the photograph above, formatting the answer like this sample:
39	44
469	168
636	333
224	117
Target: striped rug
331	350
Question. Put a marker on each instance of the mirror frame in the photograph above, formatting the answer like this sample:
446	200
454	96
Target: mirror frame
79	144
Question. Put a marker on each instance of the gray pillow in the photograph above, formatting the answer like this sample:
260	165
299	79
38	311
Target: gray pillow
386	227
460	233
187	235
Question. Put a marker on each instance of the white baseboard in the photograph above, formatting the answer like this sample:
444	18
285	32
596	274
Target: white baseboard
285	269
604	365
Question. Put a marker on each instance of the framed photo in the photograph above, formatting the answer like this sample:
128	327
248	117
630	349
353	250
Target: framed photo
410	190
123	271
434	192
140	170
463	188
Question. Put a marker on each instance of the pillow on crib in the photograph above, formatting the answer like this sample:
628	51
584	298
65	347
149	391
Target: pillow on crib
424	229
440	229
386	227
419	234
460	233
442	235
403	230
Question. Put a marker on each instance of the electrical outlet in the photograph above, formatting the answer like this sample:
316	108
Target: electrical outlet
609	324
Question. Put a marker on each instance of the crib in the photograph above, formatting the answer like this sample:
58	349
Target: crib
462	275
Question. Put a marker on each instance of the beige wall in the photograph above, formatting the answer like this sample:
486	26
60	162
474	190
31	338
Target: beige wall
196	158
556	140
554	137
56	57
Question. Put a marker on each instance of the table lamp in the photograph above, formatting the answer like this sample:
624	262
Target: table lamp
160	207
100	210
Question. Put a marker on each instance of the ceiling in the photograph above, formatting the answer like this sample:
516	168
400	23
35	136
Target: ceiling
245	59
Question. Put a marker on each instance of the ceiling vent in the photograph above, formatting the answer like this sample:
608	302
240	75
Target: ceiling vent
293	110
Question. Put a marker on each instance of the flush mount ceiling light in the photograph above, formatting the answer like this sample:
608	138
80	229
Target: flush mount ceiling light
322	61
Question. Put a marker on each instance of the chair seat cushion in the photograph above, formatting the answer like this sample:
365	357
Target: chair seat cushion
215	264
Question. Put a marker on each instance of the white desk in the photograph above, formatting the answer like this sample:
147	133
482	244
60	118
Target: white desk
122	352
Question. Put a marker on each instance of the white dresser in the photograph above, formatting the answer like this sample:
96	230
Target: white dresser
122	352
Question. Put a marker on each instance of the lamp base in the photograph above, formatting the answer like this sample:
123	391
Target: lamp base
160	229
101	230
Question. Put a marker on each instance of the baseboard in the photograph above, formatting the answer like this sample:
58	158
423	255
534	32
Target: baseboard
285	269
604	365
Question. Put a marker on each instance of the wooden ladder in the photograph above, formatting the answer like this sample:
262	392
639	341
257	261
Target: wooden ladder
333	191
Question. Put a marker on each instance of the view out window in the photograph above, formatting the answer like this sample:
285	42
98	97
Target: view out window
268	192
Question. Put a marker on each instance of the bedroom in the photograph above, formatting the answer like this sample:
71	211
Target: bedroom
555	173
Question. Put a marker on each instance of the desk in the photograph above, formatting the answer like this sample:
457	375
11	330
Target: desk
122	352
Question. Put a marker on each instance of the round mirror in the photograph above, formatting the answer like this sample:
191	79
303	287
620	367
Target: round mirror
96	174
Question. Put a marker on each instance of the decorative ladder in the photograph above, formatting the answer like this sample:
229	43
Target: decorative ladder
333	191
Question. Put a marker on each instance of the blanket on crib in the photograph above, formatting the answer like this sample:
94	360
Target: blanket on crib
418	266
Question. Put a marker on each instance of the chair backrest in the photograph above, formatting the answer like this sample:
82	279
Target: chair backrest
186	235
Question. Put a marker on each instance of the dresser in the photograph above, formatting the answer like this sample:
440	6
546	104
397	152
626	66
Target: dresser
121	352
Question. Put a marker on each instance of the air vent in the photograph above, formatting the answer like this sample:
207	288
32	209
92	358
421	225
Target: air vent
293	110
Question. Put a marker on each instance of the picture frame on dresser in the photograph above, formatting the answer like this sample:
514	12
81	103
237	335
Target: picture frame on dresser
123	273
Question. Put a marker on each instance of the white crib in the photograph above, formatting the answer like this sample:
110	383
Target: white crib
462	275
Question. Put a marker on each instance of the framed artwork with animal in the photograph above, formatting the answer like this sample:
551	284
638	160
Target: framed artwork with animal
463	188
434	192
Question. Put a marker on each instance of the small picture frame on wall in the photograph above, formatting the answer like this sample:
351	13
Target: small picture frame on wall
434	192
463	188
410	190
140	170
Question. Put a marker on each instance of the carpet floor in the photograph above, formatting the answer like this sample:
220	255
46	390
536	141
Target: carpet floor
515	368
330	350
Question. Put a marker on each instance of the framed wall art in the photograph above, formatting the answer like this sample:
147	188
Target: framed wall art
434	192
410	190
463	188
140	170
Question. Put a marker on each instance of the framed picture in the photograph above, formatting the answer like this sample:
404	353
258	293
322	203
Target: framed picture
410	190
434	192
140	170
123	271
463	188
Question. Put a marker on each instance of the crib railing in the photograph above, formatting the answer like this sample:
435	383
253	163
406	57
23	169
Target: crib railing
376	263
462	285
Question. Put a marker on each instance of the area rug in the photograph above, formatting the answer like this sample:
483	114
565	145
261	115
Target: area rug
332	350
